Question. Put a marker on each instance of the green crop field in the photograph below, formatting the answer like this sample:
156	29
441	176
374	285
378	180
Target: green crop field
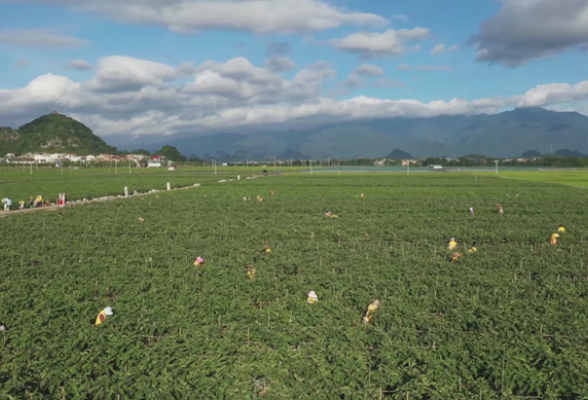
508	322
571	178
91	183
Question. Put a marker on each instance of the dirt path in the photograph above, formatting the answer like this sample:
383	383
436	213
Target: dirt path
4	214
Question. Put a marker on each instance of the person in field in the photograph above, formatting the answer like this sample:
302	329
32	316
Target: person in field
21	205
103	314
452	244
553	239
473	249
369	314
251	272
39	201
499	209
7	203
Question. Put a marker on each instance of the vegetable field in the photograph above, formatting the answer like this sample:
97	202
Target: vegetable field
91	183
507	322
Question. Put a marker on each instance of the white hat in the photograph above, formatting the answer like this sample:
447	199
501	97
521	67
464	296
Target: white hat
312	295
108	311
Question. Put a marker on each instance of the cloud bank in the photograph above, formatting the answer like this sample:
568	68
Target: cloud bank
191	16
528	29
128	96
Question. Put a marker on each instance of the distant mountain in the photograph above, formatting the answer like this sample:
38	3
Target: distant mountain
531	154
171	153
569	153
53	133
398	154
507	134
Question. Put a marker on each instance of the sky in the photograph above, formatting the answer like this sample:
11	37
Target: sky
137	68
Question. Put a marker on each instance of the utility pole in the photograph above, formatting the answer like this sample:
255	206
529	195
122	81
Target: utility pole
310	162
274	165
115	167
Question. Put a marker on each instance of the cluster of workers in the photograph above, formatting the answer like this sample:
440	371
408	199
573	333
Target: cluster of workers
34	202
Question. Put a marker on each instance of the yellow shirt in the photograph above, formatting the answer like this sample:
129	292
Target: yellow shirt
100	318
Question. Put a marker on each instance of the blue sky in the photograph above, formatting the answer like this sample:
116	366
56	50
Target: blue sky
497	52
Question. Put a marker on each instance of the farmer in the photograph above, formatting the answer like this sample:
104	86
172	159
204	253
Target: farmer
499	209
452	244
31	202
372	308
553	239
59	199
39	201
251	272
7	203
21	205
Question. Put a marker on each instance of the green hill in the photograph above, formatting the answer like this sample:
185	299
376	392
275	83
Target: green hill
53	133
398	154
171	153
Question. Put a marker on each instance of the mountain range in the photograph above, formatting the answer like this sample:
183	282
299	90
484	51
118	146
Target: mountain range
507	134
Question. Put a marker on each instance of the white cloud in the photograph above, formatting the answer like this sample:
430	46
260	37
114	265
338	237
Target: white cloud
259	16
528	29
373	44
369	70
280	64
39	38
118	73
233	95
80	65
408	67
440	48
554	93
